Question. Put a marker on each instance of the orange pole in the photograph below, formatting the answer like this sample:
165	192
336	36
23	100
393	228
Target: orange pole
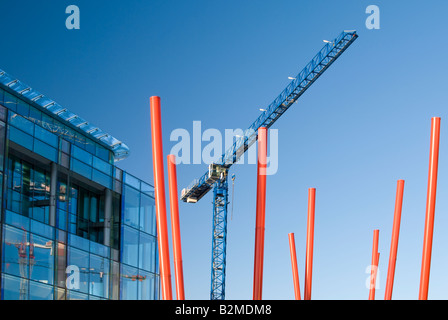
374	267
309	243
260	213
295	271
159	187
175	228
430	208
394	241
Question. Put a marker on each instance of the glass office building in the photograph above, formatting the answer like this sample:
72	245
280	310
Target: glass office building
73	225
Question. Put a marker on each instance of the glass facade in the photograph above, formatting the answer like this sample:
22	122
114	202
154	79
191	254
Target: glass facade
73	225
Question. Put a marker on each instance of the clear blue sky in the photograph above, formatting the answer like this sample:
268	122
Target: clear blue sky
362	126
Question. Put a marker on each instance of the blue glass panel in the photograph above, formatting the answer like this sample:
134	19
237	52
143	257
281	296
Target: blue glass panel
102	178
41	259
14	201
35	115
21	138
61	220
147	252
23	108
15	251
79	260
10	102
131	180
82	155
99	276
147	215
147	189
81	168
40	291
80	141
17	220
14	288
78	242
102	165
45	150
129	283
74	295
46	136
99	249
42	229
21	123
72	223
146	286
90	146
48	122
102	153
131	207
129	246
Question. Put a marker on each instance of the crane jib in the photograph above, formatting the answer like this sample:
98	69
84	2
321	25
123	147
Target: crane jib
313	70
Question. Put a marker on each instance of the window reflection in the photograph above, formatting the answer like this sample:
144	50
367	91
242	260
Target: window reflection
16	252
129	245
39	291
129	283
80	259
41	259
147	252
14	288
35	255
146	286
147	215
131	207
99	276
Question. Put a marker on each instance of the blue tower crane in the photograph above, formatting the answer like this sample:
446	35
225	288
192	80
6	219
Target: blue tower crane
216	176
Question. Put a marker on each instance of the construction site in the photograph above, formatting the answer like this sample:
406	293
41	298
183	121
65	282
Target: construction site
293	152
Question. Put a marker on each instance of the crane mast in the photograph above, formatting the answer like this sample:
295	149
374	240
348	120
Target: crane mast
216	176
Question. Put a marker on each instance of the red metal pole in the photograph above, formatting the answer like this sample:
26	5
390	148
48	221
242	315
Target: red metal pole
260	213
374	267
430	208
159	187
309	243
175	228
394	241
295	271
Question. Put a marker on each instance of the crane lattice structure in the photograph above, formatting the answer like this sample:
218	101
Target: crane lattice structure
216	176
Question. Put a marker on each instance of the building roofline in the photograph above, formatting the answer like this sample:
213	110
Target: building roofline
33	97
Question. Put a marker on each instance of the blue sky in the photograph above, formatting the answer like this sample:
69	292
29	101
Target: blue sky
362	126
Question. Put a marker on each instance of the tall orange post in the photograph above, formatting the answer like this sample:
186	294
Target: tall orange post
260	213
309	243
430	208
175	228
295	270
394	241
159	187
374	267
